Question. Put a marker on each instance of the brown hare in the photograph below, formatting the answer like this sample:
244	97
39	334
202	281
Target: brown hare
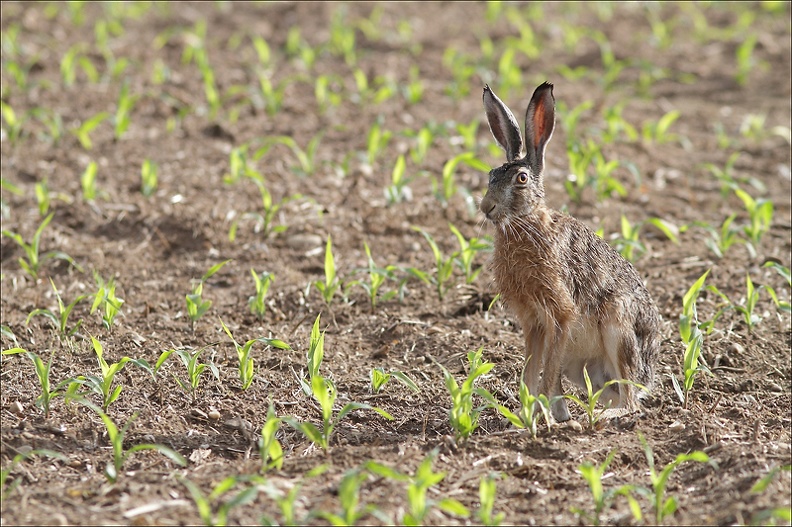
579	302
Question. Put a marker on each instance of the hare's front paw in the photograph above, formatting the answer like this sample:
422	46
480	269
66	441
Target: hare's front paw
560	411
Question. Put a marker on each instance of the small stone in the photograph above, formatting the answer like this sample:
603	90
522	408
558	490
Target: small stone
736	348
17	408
676	426
304	242
574	425
214	414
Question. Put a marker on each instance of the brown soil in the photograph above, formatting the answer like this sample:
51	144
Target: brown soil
740	415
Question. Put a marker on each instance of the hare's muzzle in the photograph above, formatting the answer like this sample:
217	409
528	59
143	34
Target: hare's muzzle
488	206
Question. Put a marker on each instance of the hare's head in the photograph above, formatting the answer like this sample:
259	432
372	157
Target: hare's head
516	188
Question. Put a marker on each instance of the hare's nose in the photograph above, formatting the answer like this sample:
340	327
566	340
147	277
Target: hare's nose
486	210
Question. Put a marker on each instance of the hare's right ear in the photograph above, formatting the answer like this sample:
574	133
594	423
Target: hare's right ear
503	125
539	124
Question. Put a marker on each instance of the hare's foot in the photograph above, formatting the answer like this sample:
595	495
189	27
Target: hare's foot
559	411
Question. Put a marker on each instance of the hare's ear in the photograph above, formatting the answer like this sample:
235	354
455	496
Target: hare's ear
502	124
539	124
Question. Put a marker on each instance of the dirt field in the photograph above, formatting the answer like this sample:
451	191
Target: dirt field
652	59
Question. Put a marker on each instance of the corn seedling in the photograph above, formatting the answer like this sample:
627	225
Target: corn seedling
270	448
194	370
448	183
286	500
196	305
272	94
379	379
32	261
688	319
760	212
123	110
13	123
148	177
256	302
265	221
6	487
327	90
657	131
102	385
83	132
413	90
74	58
727	179
487	488
462	416
306	158
616	125
468	249
398	190
444	267
154	370
239	167
570	118
42	197
331	283
376	92
775	515
342	37
532	407
88	181
376	141
593	475
207	504
783	305
418	486
720	240
246	368
423	140
106	298
325	393
48	392
745	59
747	307
315	355
662	506
352	510
377	278
61	319
630	245
590	404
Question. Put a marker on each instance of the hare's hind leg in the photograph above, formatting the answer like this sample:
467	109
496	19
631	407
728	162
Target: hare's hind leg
621	349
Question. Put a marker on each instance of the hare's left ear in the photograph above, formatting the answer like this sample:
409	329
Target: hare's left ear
503	125
539	124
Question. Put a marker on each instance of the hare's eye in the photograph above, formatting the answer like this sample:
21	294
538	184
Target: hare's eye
522	178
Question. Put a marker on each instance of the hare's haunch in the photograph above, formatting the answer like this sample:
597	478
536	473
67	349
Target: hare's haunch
579	302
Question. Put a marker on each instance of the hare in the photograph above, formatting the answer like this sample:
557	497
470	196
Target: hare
579	302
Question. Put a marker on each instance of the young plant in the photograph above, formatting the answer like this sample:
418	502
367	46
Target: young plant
270	448
105	296
693	362
206	504
42	193
61	320
462	416
662	506
657	131
398	190
720	240
328	92
123	109
48	393
379	379
331	283
32	261
272	93
444	267
154	370
88	181
102	385
247	370
148	177
196	305
194	370
266	219
256	302
532	407
83	132
783	305
14	123
120	456
468	249
349	498
487	487
306	158
760	212
376	141
594	474
377	278
448	186
630	245
7	488
593	397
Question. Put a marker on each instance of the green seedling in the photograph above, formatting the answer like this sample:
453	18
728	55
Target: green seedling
720	240
468	249
662	506
5	473
422	141
760	212
328	92
7	188
286	500
589	406
379	379
444	267
748	306
297	47
398	190
462	72
265	221
532	407
83	132
588	168
745	59
239	166
194	370
105	297
349	497
74	58
270	448
272	93
728	180
342	37
468	133
594	474
32	261
148	177
331	283
306	158
315	355
246	368
373	93
196	305
448	186
256	302
462	416
206	504
775	515
13	123
48	393
325	393
693	364
113	469
376	141
61	319
88	181
616	125
123	110
263	51
154	370
377	278
657	131
630	245
102	385
688	319
487	488
783	305
413	90
418	487
571	118
42	197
